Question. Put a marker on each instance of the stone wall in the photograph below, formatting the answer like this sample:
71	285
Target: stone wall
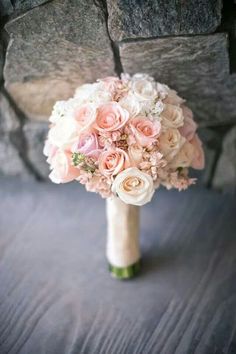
47	48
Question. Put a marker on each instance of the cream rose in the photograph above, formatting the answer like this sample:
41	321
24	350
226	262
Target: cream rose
133	186
185	156
64	133
135	152
189	127
172	116
144	89
173	98
170	143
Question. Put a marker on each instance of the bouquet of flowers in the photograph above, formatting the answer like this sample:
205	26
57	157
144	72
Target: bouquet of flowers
123	138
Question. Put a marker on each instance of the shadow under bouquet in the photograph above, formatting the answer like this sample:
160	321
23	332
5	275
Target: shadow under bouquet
123	138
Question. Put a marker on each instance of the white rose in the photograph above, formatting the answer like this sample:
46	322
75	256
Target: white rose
172	116
144	89
141	76
93	93
59	110
184	157
135	153
170	142
131	104
133	186
64	132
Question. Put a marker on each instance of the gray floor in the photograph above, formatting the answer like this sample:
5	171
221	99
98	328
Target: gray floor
56	295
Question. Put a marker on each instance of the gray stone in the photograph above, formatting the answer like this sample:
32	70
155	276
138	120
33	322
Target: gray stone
8	7
35	134
1	60
211	144
225	174
11	163
155	18
8	119
53	49
197	67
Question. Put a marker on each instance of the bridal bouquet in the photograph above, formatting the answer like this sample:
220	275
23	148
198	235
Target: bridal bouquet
123	138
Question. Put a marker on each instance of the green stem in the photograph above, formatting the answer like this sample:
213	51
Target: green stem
125	272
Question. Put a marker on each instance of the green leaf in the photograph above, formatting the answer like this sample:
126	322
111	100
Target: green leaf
77	158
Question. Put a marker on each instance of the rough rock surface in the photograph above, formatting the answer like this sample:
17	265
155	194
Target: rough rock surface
35	135
197	67
53	49
225	175
11	163
7	7
8	119
211	140
142	19
1	60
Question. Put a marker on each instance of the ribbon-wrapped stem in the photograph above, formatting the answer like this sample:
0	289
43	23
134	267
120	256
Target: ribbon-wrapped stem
123	250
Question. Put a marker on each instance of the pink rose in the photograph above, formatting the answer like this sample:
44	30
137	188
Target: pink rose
199	159
87	145
62	169
110	117
144	130
113	161
189	128
85	116
111	83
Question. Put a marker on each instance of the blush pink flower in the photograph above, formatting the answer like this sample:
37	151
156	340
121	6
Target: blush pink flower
107	139
144	130
88	145
99	184
85	116
110	117
189	128
62	169
111	83
116	87
199	158
113	161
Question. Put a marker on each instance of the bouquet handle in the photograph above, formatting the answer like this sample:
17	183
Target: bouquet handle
123	250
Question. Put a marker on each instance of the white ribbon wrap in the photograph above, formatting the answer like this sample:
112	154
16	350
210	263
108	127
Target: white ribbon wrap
123	233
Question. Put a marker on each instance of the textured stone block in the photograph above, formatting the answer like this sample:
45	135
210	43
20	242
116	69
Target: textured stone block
11	163
53	49
197	67
225	174
155	18
1	60
8	119
212	140
35	134
8	7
